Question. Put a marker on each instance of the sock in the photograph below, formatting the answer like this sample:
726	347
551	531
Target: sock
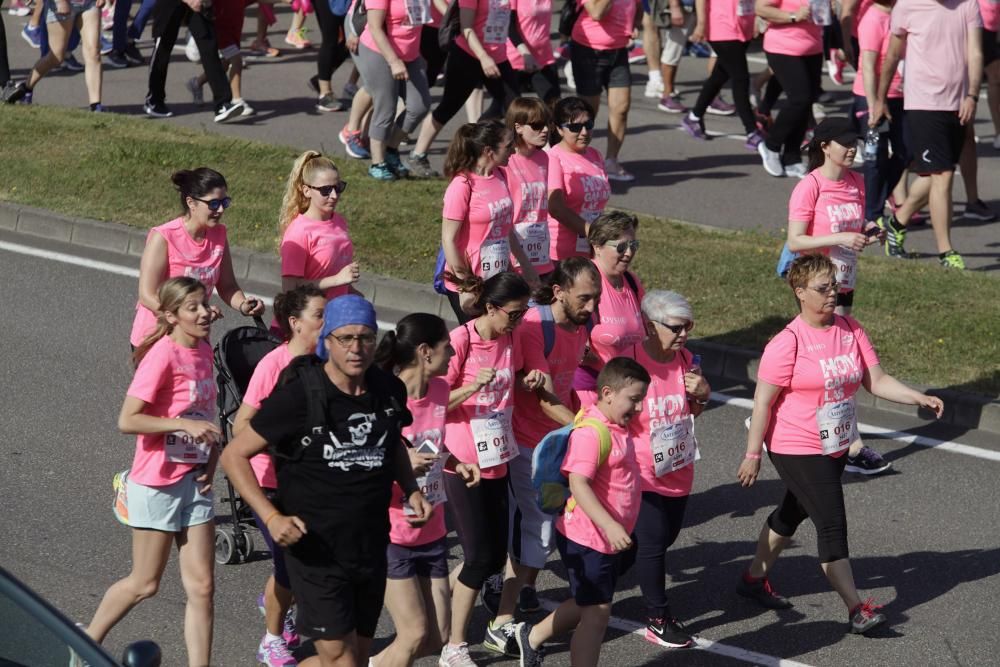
238	100
268	637
691	116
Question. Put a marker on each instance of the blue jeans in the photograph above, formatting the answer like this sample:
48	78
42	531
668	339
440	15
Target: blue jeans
882	175
121	33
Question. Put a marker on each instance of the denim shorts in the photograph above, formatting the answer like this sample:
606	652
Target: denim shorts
75	9
169	508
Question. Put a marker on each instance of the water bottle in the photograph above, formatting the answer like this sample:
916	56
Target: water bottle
871	145
696	361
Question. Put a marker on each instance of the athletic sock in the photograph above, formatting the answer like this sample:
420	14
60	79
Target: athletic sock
269	638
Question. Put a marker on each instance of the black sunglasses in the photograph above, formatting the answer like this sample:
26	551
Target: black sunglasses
216	204
325	190
539	126
677	328
578	127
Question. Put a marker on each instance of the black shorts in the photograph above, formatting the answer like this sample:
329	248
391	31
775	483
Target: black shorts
990	49
333	602
935	140
543	82
592	574
595	70
428	561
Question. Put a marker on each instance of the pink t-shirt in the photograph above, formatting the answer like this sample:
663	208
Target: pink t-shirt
726	23
428	425
316	249
530	423
862	9
173	381
472	352
666	403
585	186
185	257
528	179
937	72
262	383
830	207
989	10
403	23
803	38
492	27
815	367
874	35
615	483
620	326
485	205
534	19
614	31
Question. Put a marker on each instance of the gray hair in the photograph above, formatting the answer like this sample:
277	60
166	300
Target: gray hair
660	304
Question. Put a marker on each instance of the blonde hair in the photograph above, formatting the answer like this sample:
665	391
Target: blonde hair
306	167
171	296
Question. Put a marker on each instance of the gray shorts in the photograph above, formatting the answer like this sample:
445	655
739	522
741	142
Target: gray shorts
75	9
169	508
530	535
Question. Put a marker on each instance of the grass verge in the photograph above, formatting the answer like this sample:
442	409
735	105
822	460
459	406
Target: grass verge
930	326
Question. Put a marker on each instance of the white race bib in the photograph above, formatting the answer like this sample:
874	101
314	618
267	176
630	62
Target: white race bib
431	483
418	12
582	245
674	446
745	8
534	240
838	425
179	447
494	257
494	438
821	12
497	25
846	262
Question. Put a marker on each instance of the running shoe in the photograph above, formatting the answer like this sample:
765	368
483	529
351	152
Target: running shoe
720	107
28	98
227	111
297	39
32	35
867	462
952	260
671	104
274	653
116	60
501	639
654	89
133	55
527	600
106	46
798	170
71	64
530	657
395	163
865	616
616	172
197	94
419	166
352	143
636	55
668	632
288	631
19	8
247	109
261	48
771	160
191	50
979	210
698	50
754	139
381	172
568	73
895	237
329	102
835	67
98	108
349	91
14	92
456	656
490	593
694	126
761	592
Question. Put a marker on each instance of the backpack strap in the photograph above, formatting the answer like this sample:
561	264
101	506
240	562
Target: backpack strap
548	328
604	443
315	390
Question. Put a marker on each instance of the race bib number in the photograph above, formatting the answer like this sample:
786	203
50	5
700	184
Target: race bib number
494	257
582	245
535	241
418	12
821	12
674	446
497	23
846	262
494	438
838	426
745	8
180	447
432	483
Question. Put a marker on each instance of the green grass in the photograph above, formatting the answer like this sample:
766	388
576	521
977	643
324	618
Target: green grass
930	326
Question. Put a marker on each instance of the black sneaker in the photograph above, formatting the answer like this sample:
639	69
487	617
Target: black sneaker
157	110
13	92
501	639
227	110
489	594
867	462
530	657
761	592
668	632
116	60
527	600
133	55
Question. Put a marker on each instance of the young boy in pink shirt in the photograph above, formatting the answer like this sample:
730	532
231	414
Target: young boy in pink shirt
594	531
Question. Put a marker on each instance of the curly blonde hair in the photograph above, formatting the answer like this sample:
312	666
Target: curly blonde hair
307	166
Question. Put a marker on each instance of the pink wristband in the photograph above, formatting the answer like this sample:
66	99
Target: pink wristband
755	457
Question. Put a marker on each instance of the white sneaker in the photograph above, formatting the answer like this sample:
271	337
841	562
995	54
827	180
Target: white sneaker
616	172
568	71
247	109
771	160
798	170
456	656
654	88
191	50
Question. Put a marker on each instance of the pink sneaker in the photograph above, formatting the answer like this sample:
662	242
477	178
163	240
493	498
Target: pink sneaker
289	633
275	654
297	39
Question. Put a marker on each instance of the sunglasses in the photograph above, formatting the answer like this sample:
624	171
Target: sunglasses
677	328
216	204
539	126
578	127
325	190
512	315
621	246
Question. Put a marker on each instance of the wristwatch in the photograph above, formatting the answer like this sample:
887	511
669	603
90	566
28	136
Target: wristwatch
792	18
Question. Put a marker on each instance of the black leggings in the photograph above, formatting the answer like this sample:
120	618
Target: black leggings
799	77
814	492
464	75
432	53
4	63
168	16
731	66
480	515
332	49
659	524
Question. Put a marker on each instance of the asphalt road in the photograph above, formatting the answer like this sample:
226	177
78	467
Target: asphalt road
923	537
716	182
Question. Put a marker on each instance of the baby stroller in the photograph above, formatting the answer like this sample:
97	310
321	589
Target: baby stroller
236	357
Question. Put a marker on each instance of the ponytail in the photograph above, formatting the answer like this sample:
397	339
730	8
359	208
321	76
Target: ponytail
171	295
196	183
294	203
398	348
291	304
468	145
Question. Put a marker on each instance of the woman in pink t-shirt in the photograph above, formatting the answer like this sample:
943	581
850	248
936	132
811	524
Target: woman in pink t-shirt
417	592
315	245
578	185
666	450
804	409
527	174
533	57
477	230
169	406
192	245
299	316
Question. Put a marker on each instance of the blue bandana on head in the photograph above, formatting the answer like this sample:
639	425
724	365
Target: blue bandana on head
344	311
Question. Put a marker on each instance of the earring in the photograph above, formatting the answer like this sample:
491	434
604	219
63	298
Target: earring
427	359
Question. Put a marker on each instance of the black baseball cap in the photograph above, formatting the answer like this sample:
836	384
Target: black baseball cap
837	129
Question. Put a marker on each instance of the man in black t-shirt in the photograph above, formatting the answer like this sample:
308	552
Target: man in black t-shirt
333	426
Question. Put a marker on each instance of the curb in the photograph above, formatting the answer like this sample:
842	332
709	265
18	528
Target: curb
962	409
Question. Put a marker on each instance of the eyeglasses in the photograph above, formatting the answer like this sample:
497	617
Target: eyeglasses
677	328
826	289
578	127
325	190
512	315
621	246
216	204
347	341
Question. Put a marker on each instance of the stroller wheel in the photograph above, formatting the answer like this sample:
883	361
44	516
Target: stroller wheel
225	546
244	545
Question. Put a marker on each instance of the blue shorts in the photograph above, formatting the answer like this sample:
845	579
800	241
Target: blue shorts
592	574
169	508
75	9
427	561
